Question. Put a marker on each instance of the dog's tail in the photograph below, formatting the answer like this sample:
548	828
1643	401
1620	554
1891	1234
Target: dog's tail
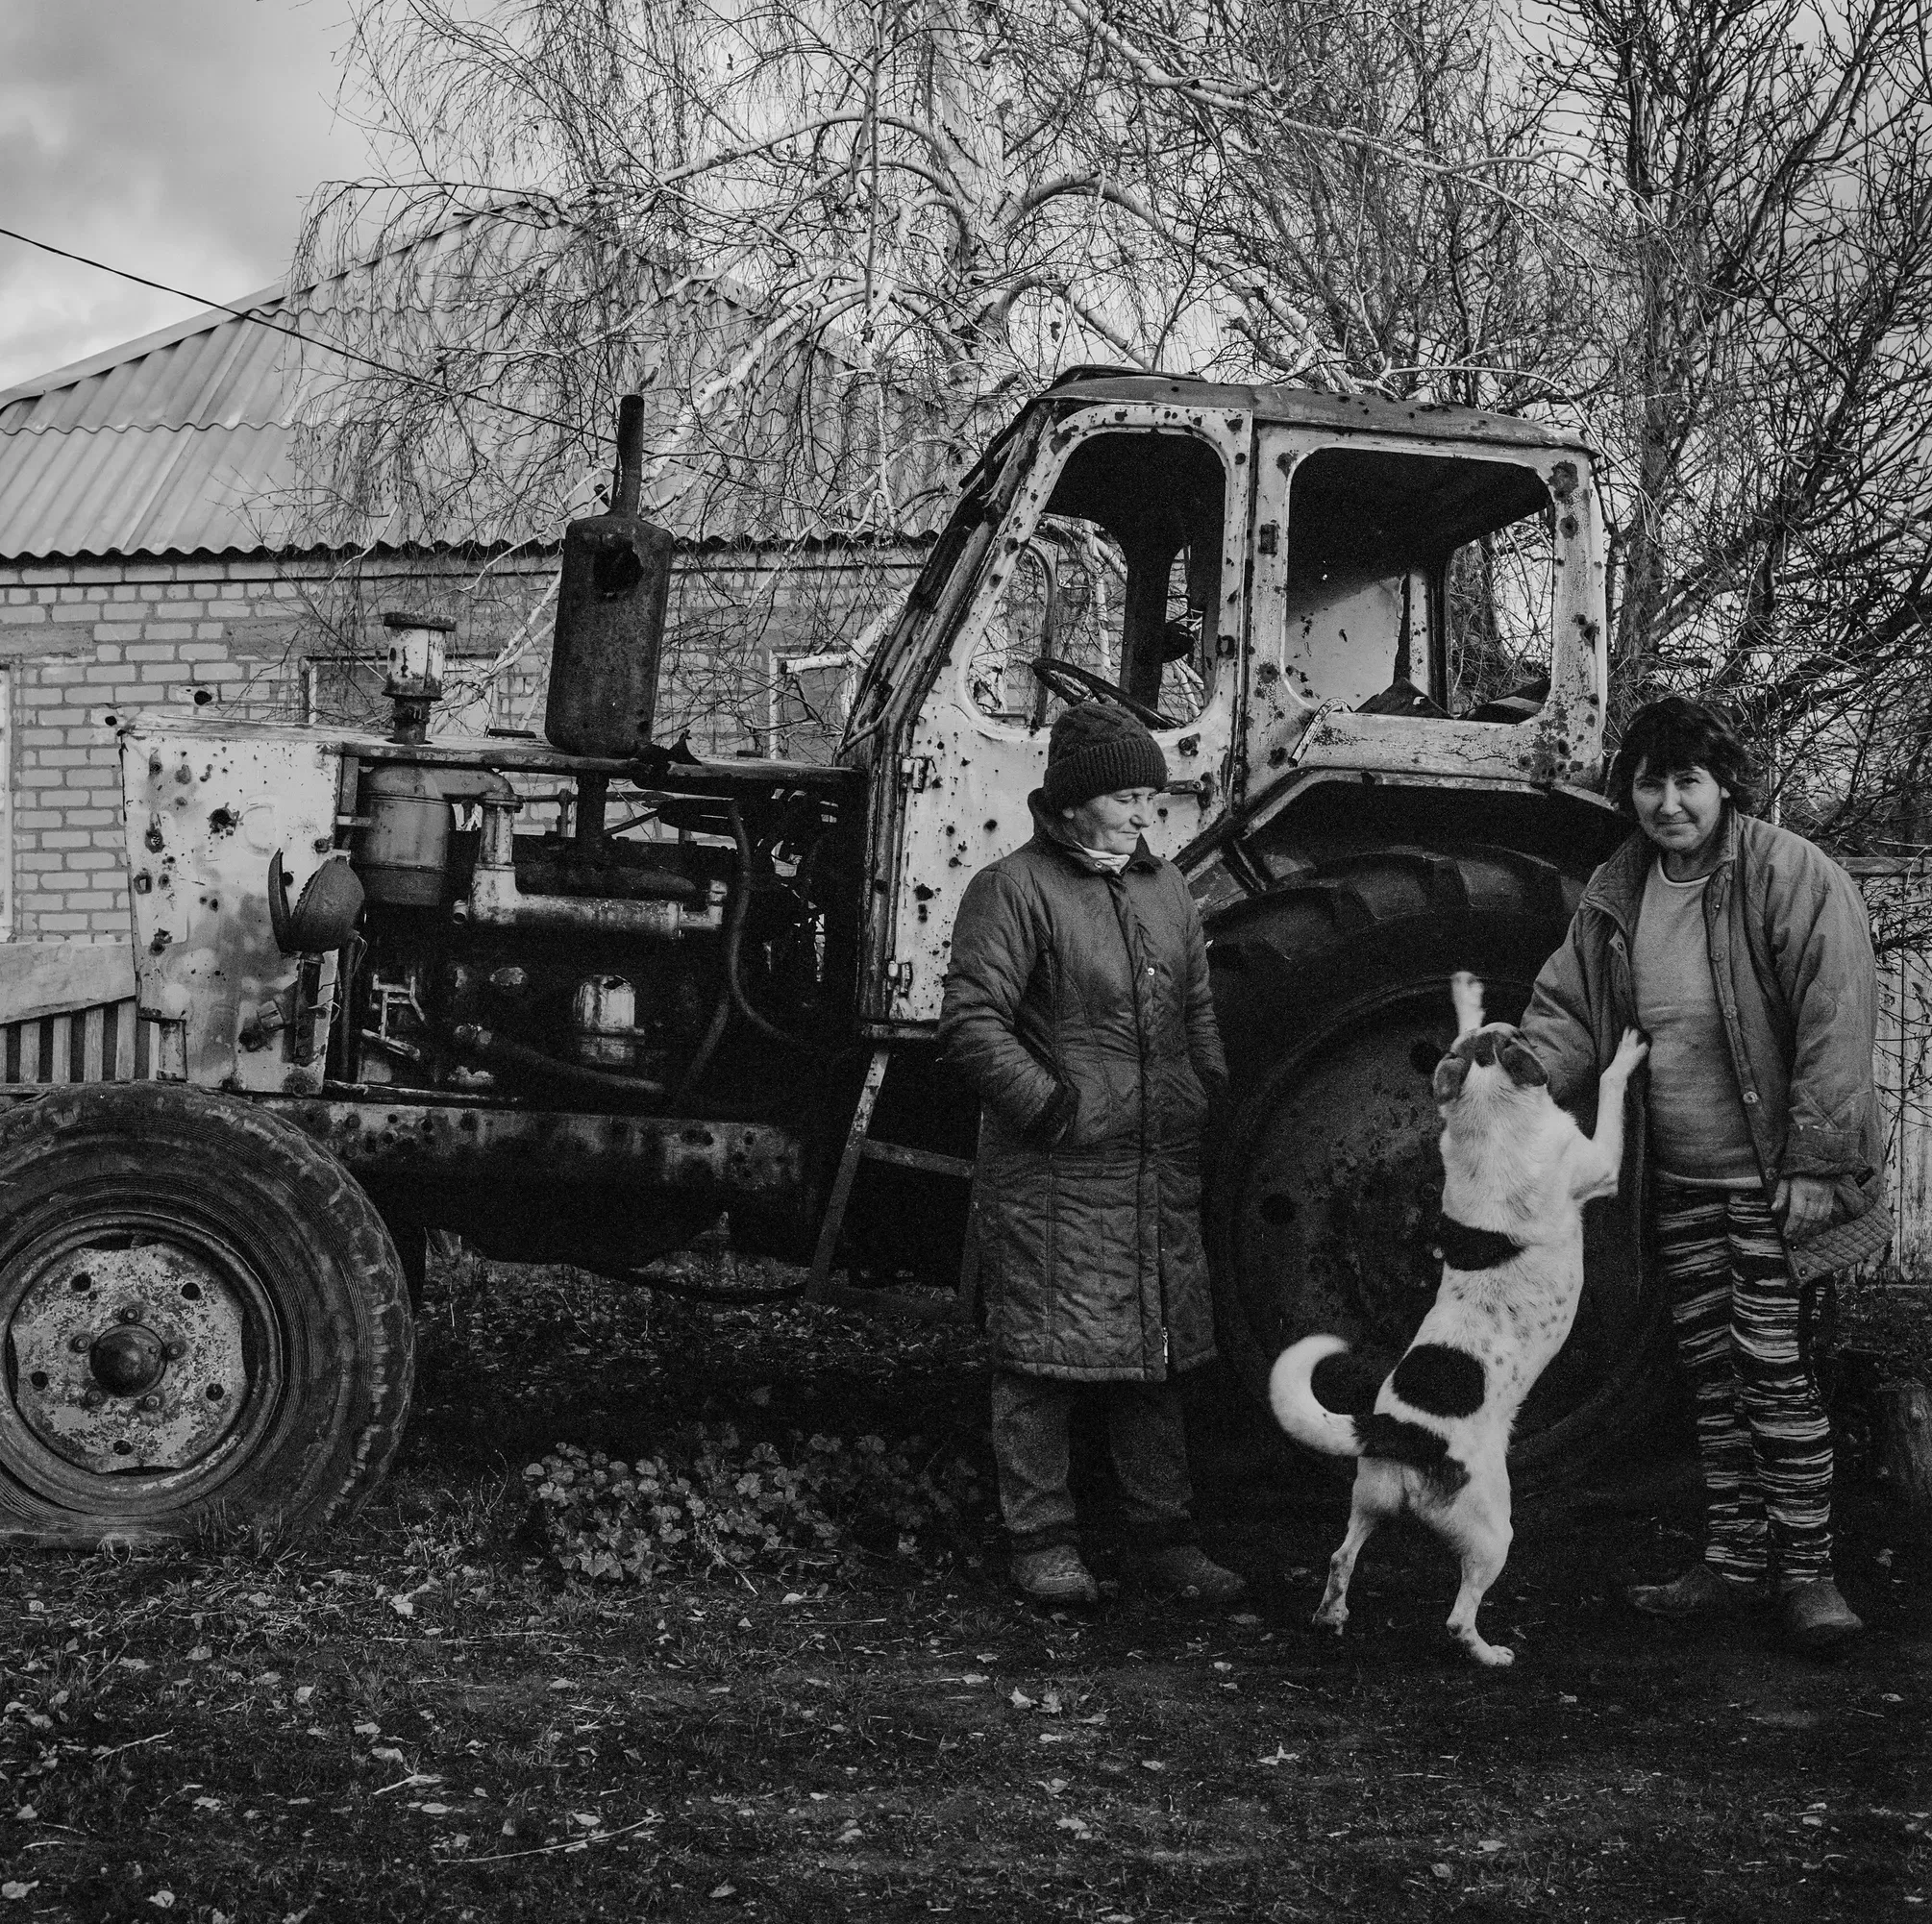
1291	1393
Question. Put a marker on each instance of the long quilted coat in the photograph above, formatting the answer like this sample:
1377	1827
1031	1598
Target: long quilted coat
1077	992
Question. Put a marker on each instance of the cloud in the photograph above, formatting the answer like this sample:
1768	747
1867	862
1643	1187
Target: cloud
176	139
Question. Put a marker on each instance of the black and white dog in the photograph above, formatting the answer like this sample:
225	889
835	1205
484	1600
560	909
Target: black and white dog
1517	1172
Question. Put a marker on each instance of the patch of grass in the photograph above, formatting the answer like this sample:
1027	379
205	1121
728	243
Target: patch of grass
424	1716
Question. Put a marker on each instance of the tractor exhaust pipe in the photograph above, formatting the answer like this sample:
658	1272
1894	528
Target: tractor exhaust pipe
612	595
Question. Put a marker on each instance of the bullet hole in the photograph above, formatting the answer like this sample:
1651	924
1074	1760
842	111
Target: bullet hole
223	822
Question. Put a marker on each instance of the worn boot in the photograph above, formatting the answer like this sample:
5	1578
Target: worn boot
1184	1570
1701	1591
1816	1617
1054	1575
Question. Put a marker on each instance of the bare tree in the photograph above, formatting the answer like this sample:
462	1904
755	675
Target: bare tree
1759	172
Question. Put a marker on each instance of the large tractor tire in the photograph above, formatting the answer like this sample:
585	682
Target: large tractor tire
205	1320
1326	1186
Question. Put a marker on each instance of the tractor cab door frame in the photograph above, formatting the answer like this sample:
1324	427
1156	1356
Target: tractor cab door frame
1354	546
965	759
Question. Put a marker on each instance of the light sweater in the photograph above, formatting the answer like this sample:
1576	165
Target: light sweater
1698	1133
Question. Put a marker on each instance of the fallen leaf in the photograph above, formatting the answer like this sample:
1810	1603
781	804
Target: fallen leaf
1020	1701
162	1900
976	1677
26	1814
1490	1845
435	1810
1245	1617
1442	1871
199	1654
724	1890
260	1599
368	1730
1077	1825
403	1606
304	1693
1151	1763
587	1818
15	1888
1280	1756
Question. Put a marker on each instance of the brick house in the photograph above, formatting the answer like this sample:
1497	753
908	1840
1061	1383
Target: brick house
148	558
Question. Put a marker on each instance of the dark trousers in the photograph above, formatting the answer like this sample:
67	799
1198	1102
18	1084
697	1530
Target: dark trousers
1146	1435
1763	1438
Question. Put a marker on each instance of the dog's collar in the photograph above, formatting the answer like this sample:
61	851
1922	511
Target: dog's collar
1464	1247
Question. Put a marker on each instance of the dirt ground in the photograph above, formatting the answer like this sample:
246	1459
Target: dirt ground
421	1717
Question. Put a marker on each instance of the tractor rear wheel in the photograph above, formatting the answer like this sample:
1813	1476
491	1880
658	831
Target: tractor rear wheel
1326	1182
205	1321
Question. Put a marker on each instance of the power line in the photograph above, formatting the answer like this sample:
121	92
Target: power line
295	334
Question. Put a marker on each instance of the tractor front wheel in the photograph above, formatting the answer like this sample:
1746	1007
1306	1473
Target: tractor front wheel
206	1321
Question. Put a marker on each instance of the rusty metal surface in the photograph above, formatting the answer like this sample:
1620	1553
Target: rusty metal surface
522	1147
205	811
965	775
128	1359
1346	415
1299	717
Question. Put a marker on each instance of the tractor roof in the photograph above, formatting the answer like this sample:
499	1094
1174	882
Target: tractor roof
1338	413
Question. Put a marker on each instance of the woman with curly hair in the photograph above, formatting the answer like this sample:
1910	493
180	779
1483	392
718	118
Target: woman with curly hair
1744	950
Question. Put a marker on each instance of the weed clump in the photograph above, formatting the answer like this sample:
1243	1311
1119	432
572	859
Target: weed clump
710	1499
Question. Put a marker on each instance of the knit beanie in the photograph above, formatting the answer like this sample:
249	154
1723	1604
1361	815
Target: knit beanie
1096	749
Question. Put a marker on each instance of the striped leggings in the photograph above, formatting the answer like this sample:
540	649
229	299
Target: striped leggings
1762	1433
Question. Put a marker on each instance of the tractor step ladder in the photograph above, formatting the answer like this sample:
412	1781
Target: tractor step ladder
862	1146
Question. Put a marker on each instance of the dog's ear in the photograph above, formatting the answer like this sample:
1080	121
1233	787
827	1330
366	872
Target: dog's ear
1465	992
1451	1072
1521	1063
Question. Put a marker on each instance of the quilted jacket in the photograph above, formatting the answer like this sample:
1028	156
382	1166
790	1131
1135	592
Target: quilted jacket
1791	959
1077	1005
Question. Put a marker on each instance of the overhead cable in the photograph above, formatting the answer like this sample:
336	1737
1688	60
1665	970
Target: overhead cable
295	334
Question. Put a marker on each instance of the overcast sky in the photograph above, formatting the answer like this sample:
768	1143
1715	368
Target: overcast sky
178	139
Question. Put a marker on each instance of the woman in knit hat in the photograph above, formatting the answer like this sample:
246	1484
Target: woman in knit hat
1077	1006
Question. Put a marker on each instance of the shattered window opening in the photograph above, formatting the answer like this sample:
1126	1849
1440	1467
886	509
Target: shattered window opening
1120	577
1420	585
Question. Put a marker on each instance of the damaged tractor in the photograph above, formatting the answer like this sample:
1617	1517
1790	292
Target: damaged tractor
577	998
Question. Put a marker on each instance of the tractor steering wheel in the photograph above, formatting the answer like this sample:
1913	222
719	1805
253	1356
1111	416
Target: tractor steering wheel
1077	684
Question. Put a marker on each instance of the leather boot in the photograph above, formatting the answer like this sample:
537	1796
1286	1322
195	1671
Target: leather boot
1054	1575
1701	1591
1816	1617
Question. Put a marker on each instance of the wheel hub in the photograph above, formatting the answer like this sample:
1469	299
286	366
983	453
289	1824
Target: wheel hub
128	1359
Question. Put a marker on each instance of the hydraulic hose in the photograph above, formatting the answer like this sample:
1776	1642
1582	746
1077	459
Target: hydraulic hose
482	1045
733	985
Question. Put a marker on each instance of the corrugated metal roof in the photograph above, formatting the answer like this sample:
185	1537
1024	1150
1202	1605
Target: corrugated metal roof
180	442
184	441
